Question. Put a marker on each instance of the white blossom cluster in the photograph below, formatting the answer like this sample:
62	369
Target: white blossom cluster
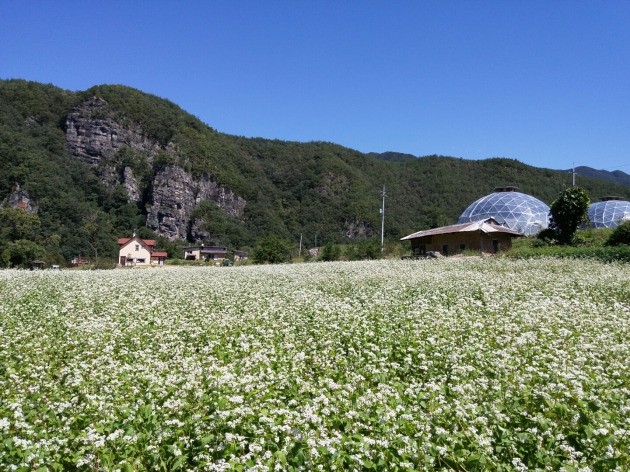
464	364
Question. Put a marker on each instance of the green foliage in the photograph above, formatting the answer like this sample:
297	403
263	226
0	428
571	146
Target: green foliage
364	249
330	252
592	237
21	252
568	211
273	250
529	248
222	229
18	224
620	235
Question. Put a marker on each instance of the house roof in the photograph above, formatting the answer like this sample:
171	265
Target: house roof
148	242
159	254
207	249
489	225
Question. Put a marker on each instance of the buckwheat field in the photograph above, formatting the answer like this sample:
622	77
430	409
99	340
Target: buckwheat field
463	364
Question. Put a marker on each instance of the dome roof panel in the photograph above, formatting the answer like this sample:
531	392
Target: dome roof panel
519	211
609	213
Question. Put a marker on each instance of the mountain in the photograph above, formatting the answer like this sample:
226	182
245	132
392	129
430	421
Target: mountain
616	176
393	156
95	165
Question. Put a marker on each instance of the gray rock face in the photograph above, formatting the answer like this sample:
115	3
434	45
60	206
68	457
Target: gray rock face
20	198
355	229
131	184
93	135
174	196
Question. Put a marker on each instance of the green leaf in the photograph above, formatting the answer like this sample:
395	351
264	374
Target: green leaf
206	439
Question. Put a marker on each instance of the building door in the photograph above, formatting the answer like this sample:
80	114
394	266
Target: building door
445	249
495	245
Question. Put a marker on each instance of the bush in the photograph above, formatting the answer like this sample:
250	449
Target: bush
273	250
620	235
364	249
605	254
330	252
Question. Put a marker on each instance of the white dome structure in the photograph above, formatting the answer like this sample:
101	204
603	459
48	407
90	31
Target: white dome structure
509	207
608	213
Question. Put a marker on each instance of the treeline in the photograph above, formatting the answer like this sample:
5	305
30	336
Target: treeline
321	191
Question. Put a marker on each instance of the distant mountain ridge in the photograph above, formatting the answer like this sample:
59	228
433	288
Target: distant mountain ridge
615	176
101	163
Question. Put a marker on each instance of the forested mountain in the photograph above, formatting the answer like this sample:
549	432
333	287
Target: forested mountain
94	165
615	176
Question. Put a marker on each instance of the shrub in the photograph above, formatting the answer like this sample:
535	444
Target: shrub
364	249
273	250
331	252
620	235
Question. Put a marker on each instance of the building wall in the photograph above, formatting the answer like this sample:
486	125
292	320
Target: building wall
192	254
129	250
197	255
458	242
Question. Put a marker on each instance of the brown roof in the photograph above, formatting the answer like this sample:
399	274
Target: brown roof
148	242
159	254
488	225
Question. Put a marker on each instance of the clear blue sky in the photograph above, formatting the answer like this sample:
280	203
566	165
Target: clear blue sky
544	82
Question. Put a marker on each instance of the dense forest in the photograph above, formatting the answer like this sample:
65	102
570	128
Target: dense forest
320	190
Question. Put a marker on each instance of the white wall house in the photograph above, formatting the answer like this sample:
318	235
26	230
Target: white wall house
135	251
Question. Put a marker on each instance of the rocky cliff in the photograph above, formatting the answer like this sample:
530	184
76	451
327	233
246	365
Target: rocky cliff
174	196
20	198
94	134
170	194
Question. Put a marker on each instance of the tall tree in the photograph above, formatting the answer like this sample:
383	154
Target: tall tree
568	212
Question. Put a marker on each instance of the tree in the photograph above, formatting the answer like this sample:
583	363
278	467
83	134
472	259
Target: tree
16	223
272	249
568	212
21	252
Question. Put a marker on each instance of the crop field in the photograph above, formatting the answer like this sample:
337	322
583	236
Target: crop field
462	364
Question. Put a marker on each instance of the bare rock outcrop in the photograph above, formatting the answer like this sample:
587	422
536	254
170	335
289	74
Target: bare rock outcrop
355	229
93	134
20	198
174	196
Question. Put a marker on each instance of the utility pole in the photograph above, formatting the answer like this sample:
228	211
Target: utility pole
383	220
300	250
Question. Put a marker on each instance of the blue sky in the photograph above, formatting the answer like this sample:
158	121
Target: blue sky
544	82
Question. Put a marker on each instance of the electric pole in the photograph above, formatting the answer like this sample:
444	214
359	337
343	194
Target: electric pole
383	220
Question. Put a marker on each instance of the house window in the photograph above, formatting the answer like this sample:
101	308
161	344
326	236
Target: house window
137	247
140	261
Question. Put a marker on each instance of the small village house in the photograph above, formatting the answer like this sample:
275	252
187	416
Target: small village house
486	236
205	253
135	251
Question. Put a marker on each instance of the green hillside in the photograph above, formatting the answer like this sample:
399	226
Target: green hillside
321	190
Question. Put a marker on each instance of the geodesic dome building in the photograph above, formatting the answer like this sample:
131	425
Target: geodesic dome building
518	211
608	213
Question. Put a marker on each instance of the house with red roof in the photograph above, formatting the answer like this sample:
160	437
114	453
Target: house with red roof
135	251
